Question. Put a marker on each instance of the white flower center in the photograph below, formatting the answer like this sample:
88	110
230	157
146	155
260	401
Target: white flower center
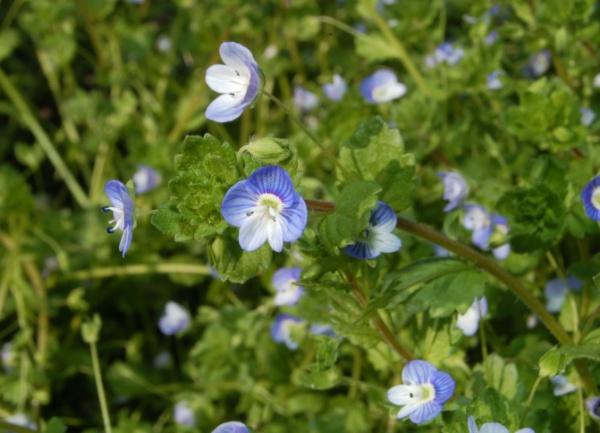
417	394
596	198
269	205
118	219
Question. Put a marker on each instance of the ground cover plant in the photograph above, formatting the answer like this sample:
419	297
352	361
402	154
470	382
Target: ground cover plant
299	215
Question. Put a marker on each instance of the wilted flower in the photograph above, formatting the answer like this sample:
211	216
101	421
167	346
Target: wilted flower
231	427
492	427
336	89
146	179
122	209
539	63
455	189
493	80
587	116
479	221
562	386
591	198
423	392
266	208
378	237
593	406
175	319
287	291
22	420
238	81
556	291
382	86
281	329
468	322
184	415
305	100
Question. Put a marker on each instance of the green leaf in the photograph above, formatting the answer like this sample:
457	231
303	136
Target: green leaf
374	48
236	265
327	351
313	377
9	39
557	359
91	329
55	425
501	375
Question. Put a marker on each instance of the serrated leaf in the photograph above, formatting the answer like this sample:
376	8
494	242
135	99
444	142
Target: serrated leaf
557	359
236	265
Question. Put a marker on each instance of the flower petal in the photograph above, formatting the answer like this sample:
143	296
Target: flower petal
236	55
126	238
115	191
275	235
400	395
253	232
388	92
444	386
295	219
231	427
237	203
425	412
418	372
383	217
385	242
225	108
361	251
590	191
225	79
472	425
275	180
525	430
493	427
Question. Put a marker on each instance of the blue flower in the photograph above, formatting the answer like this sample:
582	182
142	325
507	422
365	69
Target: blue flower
145	179
423	392
468	322
539	63
455	189
382	86
336	89
587	116
281	329
493	80
266	208
492	427
491	38
238	81
305	100
500	226
562	386
287	291
378	237
479	221
184	415
440	251
122	209
591	198
175	319
319	329
448	53
556	291
231	427
22	420
593	406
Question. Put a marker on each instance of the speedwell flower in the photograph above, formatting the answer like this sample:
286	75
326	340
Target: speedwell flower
479	221
556	291
305	100
591	198
266	208
146	179
539	63
561	385
455	189
175	319
593	406
320	329
382	86
238	81
336	89
587	116
284	281
184	415
493	80
500	226
448	53
122	209
424	392
231	427
468	322
281	329
492	427
491	38
22	420
378	237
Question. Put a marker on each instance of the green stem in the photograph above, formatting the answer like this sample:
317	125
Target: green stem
160	268
100	388
530	397
581	411
38	132
9	427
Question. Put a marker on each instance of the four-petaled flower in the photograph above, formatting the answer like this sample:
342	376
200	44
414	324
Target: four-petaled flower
287	291
231	427
587	116
238	81
561	385
593	406
184	415
539	63
456	189
175	319
282	327
492	427
305	100
378	237
591	198
479	221
146	179
122	209
266	208
500	227
468	322
556	291
382	86
493	80
423	393
336	89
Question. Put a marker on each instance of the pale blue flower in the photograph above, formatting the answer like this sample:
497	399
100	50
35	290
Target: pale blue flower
287	291
587	116
492	427
562	386
22	420
456	189
382	86
305	100
440	251
319	329
164	44
468	322
184	415
500	225
175	319
336	89
266	208
238	81
378	237
8	357
146	179
491	38
593	406
423	392
447	53
479	221
231	427
591	198
556	291
493	80
123	210
539	63
281	329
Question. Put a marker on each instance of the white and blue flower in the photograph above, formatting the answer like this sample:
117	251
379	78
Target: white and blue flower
456	189
238	81
479	221
282	329
22	420
336	89
305	100
231	427
123	212
184	415
382	86
468	322
175	319
378	237
587	116
320	329
492	427
287	291
539	63
592	405
591	198
447	53
146	179
266	208
423	392
561	385
491	38
500	226
493	80
556	291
